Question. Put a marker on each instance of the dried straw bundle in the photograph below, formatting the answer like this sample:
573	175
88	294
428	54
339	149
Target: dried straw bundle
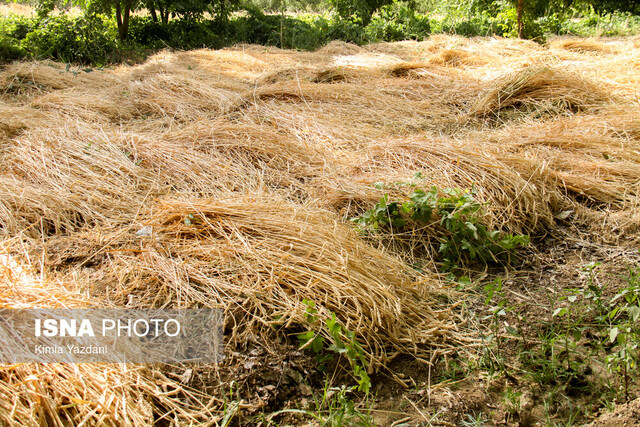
592	160
183	99
97	106
517	203
14	119
27	80
42	77
59	394
582	46
539	87
65	178
404	69
350	115
457	58
260	258
339	48
528	179
324	74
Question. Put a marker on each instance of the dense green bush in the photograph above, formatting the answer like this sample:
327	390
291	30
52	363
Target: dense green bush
193	34
303	32
395	22
478	26
552	24
398	21
12	30
617	24
177	34
10	51
479	23
357	11
90	40
346	31
509	25
272	30
17	27
256	27
146	32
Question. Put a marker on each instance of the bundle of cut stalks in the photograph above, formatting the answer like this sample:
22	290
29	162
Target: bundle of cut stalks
457	58
259	259
582	45
539	87
59	394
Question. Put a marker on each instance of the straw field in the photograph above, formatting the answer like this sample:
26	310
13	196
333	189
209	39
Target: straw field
247	164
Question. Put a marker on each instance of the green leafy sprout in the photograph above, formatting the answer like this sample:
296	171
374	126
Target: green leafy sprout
342	342
459	214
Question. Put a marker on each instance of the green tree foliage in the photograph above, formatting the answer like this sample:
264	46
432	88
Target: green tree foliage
607	6
398	21
120	9
163	10
288	5
545	8
518	16
88	40
358	11
160	10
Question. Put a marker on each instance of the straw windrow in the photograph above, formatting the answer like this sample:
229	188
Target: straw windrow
583	46
539	86
71	394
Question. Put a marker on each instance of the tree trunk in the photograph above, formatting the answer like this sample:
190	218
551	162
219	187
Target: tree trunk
122	17
519	9
125	19
152	11
119	20
164	14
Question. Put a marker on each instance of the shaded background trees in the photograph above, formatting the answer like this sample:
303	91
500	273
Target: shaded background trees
102	31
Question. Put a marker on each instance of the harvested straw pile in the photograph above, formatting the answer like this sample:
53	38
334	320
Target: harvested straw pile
70	179
331	74
260	258
582	46
340	48
95	394
539	88
414	69
456	58
15	119
523	205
